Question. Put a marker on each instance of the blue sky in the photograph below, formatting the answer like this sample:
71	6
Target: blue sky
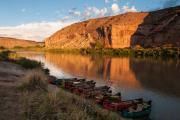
32	14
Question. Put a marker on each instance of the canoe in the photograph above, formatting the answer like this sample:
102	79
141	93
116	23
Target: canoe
53	80
79	85
108	97
144	112
121	105
70	83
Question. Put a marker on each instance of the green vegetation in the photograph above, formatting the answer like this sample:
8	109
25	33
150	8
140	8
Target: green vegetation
98	49
99	44
17	47
160	52
4	55
2	48
40	103
28	64
14	58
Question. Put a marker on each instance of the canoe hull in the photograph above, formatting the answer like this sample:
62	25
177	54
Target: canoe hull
141	114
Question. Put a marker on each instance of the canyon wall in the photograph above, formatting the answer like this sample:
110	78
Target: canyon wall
113	32
12	42
159	29
153	29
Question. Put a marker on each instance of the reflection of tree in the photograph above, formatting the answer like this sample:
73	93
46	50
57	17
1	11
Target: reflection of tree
158	75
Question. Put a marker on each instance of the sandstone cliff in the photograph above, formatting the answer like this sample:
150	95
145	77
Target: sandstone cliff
153	29
12	42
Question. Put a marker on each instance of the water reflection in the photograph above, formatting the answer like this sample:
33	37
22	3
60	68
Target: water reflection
162	76
148	78
116	70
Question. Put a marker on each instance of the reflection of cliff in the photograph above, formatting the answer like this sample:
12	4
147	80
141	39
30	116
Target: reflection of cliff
76	64
121	72
160	75
114	69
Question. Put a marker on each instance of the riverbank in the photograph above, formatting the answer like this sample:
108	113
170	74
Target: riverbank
26	94
136	52
43	101
10	75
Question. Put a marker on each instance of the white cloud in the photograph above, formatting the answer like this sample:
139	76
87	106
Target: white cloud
106	1
93	12
40	30
33	31
129	9
115	8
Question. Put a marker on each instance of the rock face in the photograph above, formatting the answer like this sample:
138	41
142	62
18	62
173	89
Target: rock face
153	29
159	28
12	42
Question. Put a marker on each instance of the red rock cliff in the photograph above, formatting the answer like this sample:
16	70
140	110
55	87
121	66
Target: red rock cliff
127	30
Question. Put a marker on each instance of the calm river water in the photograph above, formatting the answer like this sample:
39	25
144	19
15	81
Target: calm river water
158	80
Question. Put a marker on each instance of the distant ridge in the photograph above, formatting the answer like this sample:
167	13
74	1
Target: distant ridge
8	42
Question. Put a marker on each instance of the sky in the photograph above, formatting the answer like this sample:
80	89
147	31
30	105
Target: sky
38	19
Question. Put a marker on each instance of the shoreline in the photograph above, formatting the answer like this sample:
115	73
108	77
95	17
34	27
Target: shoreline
166	53
30	100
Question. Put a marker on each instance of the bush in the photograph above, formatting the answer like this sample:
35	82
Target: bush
99	44
2	48
29	64
34	80
17	47
4	55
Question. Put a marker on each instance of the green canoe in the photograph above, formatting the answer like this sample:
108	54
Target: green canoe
145	112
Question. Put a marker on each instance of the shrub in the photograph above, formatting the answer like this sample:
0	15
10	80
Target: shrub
17	47
99	44
2	48
4	55
34	80
29	64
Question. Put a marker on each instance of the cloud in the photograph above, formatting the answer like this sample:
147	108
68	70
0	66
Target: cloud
170	3
74	12
115	8
33	31
126	8
93	12
108	1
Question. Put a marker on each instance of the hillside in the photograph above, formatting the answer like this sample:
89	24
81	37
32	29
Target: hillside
13	42
153	29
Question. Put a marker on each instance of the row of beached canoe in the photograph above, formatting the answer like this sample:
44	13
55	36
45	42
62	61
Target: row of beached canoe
102	95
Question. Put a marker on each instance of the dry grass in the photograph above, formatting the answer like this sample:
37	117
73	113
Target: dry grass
34	80
39	104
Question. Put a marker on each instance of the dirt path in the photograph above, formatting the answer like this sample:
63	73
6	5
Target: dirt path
10	74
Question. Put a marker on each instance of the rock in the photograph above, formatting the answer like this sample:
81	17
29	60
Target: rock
12	42
153	29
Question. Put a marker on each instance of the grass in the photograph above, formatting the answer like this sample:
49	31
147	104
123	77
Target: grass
137	53
39	103
4	55
34	80
28	64
100	50
10	56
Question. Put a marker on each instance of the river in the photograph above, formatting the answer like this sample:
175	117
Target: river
153	79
